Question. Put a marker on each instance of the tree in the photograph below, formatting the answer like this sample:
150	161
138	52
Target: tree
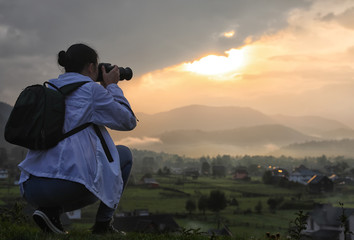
258	208
164	172
217	201
253	169
267	177
273	203
205	168
234	202
190	206
203	203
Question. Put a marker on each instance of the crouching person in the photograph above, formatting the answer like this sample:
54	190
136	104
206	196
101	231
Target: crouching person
87	166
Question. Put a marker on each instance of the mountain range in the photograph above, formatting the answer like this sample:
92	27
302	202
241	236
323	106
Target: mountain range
204	130
197	130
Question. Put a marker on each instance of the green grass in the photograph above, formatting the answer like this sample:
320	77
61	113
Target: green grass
242	225
26	231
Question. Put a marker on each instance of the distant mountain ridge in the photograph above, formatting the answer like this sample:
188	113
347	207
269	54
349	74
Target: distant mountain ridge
343	147
198	130
207	118
315	125
201	118
235	130
244	136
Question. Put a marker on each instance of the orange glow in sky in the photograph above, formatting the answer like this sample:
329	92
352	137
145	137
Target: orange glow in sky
229	34
217	65
306	68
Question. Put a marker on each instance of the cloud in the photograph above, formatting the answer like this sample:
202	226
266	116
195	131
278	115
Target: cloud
141	34
293	70
139	142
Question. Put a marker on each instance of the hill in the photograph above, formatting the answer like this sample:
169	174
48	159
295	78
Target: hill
197	117
342	147
258	139
244	136
200	130
317	126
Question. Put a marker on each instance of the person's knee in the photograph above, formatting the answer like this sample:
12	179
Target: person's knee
125	155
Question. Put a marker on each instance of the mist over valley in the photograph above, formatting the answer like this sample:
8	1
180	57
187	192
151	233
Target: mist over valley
198	130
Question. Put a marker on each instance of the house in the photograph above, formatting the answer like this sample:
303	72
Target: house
240	173
159	223
191	172
320	184
341	180
177	171
302	174
4	174
323	223
150	183
280	173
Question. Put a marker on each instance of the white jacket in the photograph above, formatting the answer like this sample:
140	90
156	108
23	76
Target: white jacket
80	157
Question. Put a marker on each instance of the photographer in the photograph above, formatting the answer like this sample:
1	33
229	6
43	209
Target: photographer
78	172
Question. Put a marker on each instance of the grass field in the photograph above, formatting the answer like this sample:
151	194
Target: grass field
242	220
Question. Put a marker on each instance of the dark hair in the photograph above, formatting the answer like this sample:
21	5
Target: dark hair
77	57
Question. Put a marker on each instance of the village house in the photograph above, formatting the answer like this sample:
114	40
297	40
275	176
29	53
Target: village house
4	174
302	174
320	184
280	173
150	183
240	173
324	223
191	172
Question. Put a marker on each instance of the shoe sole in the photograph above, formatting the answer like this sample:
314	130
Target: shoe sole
44	223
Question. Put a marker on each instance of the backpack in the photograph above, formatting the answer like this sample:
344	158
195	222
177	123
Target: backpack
37	119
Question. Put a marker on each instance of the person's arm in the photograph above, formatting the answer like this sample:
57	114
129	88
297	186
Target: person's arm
110	107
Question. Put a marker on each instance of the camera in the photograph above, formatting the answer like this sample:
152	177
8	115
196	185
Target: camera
124	73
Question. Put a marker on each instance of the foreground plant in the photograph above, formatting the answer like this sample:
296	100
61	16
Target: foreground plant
298	225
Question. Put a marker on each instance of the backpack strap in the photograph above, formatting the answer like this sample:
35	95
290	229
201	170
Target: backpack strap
99	134
69	88
75	130
66	90
103	142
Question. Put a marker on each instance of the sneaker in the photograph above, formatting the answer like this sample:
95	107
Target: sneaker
49	223
106	227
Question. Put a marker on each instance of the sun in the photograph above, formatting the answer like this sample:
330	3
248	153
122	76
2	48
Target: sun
217	65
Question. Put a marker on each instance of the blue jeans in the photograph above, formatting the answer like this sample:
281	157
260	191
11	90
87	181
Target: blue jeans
64	196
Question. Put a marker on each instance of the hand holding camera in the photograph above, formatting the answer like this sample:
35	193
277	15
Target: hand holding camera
124	73
112	77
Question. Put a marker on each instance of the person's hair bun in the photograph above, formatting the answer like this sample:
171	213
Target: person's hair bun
62	58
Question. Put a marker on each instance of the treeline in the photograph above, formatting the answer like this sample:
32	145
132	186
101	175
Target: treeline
149	161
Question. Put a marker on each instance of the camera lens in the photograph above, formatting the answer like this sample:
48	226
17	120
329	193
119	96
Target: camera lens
124	73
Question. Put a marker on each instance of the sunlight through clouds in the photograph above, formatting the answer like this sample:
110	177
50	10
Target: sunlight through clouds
217	65
229	34
291	71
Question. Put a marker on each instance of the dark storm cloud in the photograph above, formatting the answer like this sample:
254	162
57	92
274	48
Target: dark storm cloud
145	35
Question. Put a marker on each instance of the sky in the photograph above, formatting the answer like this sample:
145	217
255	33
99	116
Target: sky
291	57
